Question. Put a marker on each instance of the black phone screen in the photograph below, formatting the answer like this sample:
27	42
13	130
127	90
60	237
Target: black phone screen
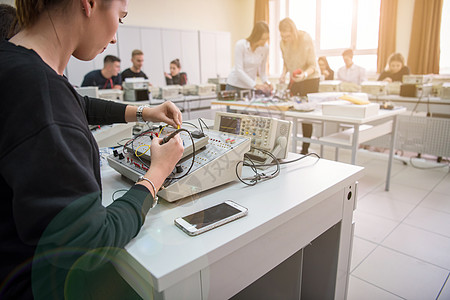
211	215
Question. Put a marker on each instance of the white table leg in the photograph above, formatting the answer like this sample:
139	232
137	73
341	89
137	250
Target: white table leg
391	152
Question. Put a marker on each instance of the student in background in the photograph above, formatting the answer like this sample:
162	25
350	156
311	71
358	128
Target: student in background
351	73
175	76
325	69
57	238
8	24
135	71
300	62
250	56
106	78
395	69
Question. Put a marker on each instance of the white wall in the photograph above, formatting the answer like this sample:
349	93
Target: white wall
234	16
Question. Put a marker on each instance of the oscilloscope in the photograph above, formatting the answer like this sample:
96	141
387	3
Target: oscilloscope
265	133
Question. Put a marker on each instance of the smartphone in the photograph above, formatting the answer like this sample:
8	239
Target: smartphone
211	217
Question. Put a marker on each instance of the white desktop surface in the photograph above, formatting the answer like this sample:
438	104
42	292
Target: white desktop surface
317	115
163	255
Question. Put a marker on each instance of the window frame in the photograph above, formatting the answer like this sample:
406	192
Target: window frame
277	62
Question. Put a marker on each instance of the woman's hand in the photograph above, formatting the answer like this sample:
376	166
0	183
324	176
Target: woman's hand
166	112
298	77
388	79
164	159
167	75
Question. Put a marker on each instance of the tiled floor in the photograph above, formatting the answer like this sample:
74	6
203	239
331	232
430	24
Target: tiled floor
401	246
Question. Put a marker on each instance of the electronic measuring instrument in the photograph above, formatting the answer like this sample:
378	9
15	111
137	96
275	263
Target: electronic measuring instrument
216	156
266	133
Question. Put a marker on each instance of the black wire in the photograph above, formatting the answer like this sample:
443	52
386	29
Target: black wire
261	176
258	176
192	124
193	155
121	190
290	161
200	119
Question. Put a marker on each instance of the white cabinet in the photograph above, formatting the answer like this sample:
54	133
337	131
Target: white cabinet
154	63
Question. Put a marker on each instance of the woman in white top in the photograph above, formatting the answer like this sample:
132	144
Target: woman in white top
250	60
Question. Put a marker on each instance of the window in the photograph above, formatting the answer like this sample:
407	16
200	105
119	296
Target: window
444	63
334	26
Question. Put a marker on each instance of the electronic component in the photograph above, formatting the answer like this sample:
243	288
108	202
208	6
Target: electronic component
90	91
329	86
190	89
111	94
155	92
206	89
416	79
136	89
374	87
171	91
266	133
445	91
214	165
141	144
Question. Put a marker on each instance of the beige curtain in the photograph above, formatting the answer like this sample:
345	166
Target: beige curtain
387	33
424	52
261	11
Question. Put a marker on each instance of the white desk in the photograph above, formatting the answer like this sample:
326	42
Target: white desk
295	240
433	105
351	138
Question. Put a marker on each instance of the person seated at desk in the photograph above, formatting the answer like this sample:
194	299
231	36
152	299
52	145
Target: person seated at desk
351	73
250	56
325	70
106	78
57	237
175	76
395	69
135	71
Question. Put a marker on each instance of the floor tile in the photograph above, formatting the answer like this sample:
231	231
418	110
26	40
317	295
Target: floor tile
443	186
421	244
361	249
401	275
418	178
402	192
430	219
445	293
385	207
372	228
359	289
437	201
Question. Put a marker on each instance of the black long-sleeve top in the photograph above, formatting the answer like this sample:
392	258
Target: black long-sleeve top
180	78
394	76
50	209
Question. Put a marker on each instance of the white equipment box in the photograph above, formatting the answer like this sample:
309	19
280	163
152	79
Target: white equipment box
90	91
329	86
190	89
206	89
344	108
171	91
416	79
374	87
445	90
111	94
136	89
